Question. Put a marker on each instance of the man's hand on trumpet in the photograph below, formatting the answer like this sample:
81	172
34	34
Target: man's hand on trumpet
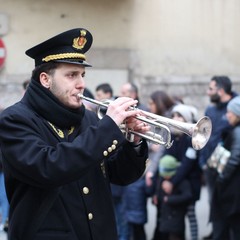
137	126
121	111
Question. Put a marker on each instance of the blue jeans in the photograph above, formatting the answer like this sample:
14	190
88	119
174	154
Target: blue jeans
3	200
122	224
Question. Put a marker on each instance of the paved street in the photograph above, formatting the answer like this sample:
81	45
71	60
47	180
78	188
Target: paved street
3	236
202	215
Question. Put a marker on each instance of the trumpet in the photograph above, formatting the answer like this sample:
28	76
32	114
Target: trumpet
199	132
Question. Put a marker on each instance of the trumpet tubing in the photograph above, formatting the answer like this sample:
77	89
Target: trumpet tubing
200	132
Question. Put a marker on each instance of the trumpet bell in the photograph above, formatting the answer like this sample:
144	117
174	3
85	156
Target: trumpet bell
201	133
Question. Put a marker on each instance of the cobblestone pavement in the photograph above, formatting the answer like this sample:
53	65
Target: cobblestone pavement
202	216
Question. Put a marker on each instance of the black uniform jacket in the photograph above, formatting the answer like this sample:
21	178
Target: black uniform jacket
57	180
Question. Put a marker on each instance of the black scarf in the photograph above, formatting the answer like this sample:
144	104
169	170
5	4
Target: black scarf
43	102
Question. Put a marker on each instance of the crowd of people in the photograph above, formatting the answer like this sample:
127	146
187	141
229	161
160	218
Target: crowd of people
66	178
174	177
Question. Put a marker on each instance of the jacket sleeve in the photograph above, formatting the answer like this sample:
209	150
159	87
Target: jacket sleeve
34	155
184	194
187	164
130	163
234	160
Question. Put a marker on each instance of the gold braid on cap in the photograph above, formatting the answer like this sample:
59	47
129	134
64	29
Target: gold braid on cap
63	56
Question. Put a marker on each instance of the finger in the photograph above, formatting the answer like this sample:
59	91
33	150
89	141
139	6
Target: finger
125	102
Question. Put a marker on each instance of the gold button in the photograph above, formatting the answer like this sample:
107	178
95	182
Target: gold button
85	190
109	149
113	147
90	216
115	142
105	153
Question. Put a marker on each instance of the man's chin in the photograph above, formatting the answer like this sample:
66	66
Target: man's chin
215	99
75	105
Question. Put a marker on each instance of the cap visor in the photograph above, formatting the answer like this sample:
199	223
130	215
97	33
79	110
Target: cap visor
74	61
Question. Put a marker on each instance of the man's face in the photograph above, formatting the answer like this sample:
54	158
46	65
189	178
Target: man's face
213	93
152	106
66	83
101	95
125	91
178	117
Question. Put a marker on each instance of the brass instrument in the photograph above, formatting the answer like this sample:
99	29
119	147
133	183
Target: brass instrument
200	132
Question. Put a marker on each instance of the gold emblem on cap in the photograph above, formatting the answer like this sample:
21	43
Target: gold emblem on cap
80	42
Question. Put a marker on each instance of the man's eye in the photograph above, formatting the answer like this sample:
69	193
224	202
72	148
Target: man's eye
71	75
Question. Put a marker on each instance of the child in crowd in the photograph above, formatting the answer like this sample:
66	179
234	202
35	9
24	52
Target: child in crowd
173	205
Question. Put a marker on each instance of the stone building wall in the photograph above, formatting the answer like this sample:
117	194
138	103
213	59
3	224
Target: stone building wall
157	44
191	89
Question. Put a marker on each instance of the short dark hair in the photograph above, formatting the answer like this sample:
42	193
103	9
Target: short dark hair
223	82
25	84
134	88
105	87
88	93
48	68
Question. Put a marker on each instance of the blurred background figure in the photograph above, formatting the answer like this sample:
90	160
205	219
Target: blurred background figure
87	104
220	93
225	207
4	205
131	90
104	91
173	204
189	169
135	197
25	85
136	194
159	103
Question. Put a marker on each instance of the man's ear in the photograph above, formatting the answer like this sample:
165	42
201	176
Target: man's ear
45	80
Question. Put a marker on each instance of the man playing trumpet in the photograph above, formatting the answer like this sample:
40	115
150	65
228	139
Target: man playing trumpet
58	157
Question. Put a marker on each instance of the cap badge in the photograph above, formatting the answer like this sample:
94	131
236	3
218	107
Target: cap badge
80	42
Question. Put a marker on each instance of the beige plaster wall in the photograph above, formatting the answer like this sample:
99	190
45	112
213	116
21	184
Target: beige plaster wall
159	43
170	36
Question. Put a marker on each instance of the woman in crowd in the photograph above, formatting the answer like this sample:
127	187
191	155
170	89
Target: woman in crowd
189	169
160	103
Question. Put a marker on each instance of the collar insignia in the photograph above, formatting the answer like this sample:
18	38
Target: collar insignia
59	132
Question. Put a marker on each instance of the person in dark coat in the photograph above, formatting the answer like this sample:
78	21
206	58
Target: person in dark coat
225	207
58	157
220	93
135	200
174	204
184	152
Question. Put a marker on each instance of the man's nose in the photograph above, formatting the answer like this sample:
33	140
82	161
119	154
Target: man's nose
80	82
